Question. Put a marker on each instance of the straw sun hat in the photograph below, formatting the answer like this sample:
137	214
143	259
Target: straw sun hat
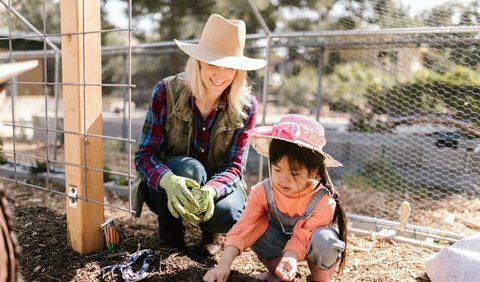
221	44
10	70
296	129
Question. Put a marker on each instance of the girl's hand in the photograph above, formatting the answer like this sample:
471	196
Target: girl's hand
287	268
221	272
217	274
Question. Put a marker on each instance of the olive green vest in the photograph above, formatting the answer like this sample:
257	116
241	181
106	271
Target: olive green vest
179	126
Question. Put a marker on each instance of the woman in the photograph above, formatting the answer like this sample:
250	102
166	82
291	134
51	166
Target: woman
195	137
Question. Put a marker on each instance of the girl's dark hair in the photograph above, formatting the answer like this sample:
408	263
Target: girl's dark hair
314	162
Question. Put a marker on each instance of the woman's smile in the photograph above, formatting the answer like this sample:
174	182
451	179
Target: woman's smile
216	79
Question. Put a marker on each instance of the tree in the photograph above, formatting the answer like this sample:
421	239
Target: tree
33	12
348	84
184	19
298	91
455	93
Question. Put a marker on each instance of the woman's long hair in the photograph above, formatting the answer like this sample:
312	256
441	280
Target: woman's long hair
314	162
239	90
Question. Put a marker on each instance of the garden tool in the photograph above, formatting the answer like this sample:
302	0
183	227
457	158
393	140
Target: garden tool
112	238
126	267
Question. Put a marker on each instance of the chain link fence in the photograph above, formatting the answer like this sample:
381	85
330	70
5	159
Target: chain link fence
399	98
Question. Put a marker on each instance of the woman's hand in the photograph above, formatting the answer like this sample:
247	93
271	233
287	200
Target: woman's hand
287	268
217	274
205	198
180	199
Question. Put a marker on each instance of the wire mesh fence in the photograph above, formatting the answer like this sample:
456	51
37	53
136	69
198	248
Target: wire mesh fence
398	93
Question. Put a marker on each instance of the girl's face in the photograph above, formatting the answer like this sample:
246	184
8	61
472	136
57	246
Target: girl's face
290	181
216	79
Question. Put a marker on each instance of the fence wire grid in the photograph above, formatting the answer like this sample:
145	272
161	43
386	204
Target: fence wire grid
398	93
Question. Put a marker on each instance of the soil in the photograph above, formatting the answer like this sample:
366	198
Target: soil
45	255
40	227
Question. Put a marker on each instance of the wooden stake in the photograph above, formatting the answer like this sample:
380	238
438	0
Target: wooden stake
82	114
404	214
469	223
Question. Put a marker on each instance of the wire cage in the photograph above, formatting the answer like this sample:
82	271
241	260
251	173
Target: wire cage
398	94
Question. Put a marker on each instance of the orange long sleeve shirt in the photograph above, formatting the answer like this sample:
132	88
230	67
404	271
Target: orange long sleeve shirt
254	220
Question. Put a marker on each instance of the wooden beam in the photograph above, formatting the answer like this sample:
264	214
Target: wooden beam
82	114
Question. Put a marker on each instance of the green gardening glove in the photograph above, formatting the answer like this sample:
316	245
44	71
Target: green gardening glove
180	199
205	198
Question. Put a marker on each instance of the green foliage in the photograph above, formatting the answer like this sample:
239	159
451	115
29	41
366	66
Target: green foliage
440	16
39	167
121	180
346	86
32	11
379	175
454	93
366	121
107	176
442	60
171	17
3	160
376	174
113	145
298	91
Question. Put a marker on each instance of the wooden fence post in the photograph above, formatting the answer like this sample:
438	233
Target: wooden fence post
82	114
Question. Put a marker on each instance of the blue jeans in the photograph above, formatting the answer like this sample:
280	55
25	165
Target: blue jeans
323	249
227	209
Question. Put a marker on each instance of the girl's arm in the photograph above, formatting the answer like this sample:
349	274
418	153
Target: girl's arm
221	272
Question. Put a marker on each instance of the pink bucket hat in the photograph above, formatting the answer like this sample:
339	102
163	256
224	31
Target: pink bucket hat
296	129
221	44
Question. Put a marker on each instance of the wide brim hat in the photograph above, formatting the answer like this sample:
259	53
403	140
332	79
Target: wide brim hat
296	129
221	44
10	70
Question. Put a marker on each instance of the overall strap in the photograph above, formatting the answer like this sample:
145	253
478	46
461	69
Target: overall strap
268	192
279	217
314	201
275	216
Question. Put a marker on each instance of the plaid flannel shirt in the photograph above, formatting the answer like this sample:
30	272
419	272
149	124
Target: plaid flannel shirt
152	168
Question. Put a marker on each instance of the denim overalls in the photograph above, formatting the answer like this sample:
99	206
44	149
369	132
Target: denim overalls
324	247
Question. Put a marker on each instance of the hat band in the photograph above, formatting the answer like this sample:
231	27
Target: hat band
286	130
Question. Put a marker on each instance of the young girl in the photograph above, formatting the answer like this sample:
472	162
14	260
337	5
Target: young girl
291	215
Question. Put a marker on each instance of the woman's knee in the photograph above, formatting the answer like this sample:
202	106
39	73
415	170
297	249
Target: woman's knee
226	214
232	205
324	247
188	167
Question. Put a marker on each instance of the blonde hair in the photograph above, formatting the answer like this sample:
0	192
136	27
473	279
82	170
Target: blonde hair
239	90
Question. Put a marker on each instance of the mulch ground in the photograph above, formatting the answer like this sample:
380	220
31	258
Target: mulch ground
40	227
